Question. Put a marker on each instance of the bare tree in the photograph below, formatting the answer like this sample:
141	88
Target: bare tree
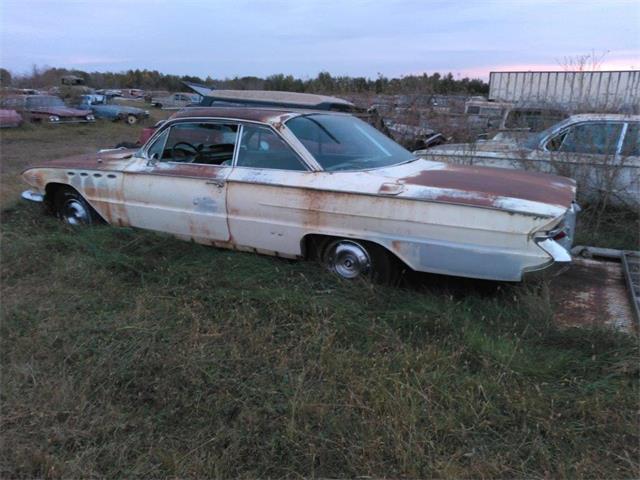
590	62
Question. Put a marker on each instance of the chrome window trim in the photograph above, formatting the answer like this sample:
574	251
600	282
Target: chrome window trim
155	137
623	134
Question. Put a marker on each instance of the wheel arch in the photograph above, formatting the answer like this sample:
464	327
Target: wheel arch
51	189
312	244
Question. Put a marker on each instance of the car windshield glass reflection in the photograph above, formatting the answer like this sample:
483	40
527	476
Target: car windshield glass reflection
346	143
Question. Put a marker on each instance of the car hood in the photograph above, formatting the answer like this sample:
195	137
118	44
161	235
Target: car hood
498	188
60	111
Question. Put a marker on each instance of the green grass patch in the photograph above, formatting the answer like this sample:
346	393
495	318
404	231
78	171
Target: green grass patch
125	353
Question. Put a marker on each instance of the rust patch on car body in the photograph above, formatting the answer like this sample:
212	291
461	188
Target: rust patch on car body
188	170
481	186
114	160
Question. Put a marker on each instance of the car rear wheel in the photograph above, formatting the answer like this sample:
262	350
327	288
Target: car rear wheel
351	260
74	210
131	119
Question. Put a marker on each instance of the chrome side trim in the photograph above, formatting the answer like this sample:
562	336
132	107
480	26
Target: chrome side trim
32	196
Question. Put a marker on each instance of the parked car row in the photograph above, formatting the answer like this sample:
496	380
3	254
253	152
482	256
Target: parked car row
45	109
52	110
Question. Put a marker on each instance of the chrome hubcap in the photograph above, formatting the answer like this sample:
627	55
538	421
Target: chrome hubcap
349	260
75	213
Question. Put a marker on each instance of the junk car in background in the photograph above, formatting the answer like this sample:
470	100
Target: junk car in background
46	108
112	111
176	101
10	119
519	122
600	151
317	184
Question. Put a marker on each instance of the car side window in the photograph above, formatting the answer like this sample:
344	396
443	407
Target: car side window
599	138
260	147
201	143
631	144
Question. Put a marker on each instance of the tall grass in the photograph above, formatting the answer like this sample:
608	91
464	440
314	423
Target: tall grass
126	353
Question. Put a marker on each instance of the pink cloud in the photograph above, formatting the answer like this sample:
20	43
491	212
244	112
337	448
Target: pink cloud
630	63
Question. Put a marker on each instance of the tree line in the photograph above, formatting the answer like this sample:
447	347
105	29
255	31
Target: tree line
324	82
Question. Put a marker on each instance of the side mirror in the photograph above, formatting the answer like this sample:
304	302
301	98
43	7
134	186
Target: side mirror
153	159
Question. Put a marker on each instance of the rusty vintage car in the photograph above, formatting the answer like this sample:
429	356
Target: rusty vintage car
46	108
302	183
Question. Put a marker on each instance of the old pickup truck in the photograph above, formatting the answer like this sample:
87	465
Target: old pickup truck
317	184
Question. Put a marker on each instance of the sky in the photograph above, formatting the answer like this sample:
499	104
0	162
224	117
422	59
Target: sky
227	38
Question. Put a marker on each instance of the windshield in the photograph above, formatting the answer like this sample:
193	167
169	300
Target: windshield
342	142
44	102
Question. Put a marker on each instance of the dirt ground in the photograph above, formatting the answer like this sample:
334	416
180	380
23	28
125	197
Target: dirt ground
593	293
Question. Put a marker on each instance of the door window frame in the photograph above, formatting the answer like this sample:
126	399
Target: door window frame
165	130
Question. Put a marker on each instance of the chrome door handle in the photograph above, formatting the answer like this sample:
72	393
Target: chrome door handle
217	183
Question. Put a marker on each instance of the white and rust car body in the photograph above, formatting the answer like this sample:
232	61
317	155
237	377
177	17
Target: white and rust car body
466	221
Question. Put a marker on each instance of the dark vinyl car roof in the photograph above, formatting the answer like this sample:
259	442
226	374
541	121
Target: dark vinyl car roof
264	115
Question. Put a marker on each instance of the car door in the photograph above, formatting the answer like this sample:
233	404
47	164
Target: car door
179	184
267	205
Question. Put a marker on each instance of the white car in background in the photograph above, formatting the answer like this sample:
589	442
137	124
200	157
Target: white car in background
600	151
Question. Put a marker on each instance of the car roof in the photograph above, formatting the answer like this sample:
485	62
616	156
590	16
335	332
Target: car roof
604	116
311	100
252	114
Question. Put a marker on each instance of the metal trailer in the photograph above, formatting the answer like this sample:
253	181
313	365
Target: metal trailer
604	90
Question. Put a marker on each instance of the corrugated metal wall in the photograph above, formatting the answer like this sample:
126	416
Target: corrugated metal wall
603	90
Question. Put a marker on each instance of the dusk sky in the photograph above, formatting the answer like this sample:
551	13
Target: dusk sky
347	37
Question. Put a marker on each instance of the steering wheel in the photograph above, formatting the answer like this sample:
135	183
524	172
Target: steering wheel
190	150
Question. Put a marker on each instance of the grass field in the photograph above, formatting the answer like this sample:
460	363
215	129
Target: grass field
126	353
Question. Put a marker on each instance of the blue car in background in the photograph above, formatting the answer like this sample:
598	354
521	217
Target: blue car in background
112	111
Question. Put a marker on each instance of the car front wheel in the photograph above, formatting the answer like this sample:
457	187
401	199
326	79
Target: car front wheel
131	119
350	259
74	210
